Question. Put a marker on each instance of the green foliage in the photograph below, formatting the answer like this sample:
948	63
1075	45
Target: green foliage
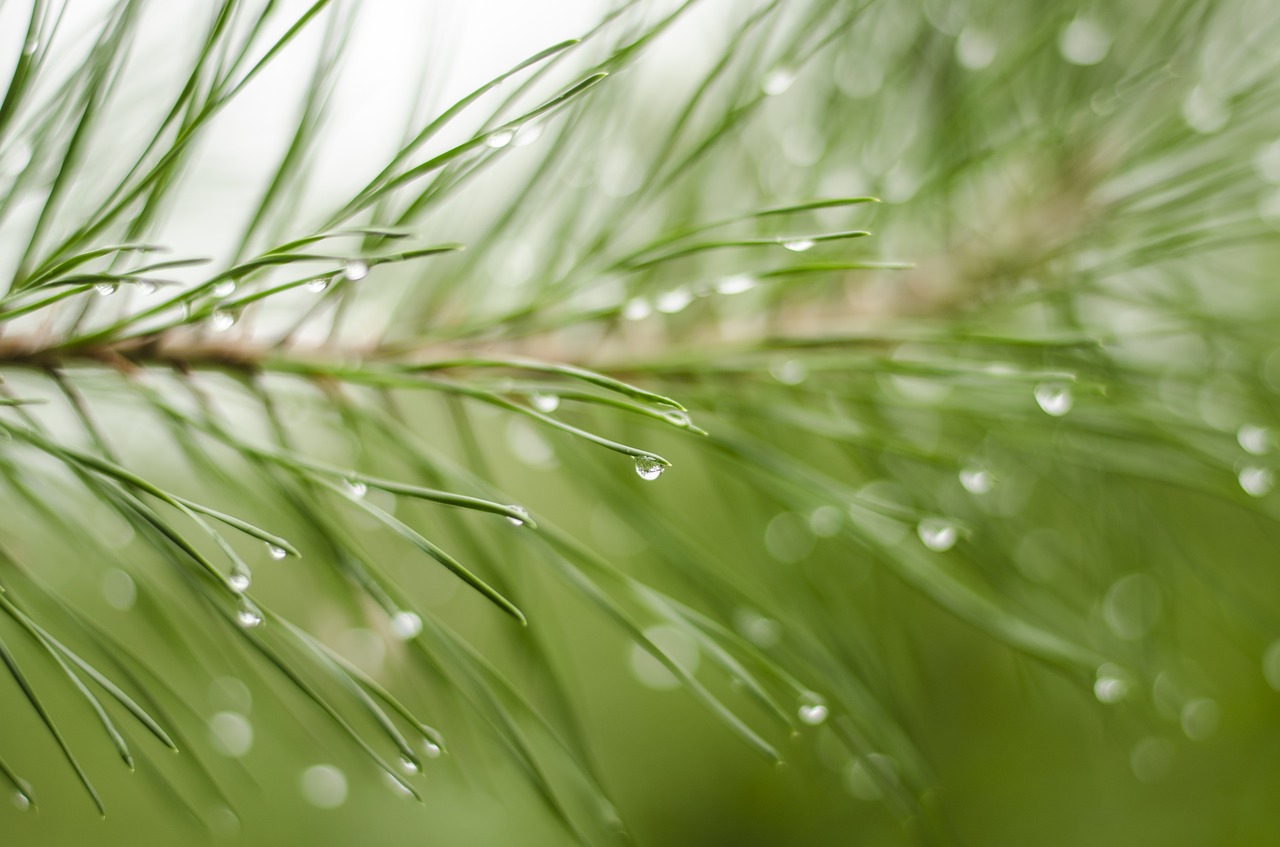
903	315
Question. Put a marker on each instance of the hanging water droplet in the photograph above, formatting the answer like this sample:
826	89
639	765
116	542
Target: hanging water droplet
223	289
145	287
938	534
406	625
798	245
637	309
396	785
355	487
430	749
675	300
736	284
319	284
1254	439
649	467
21	801
1084	42
222	320
1256	481
545	403
777	81
30	46
1054	398
275	552
813	710
518	521
1110	689
976	480
409	766
527	134
356	270
676	417
501	138
105	289
247	614
239	581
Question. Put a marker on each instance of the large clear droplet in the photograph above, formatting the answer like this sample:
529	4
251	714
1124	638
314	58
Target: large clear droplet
275	552
938	534
356	270
247	614
545	403
778	81
1054	398
21	801
649	467
409	766
324	786
675	300
975	49
736	284
406	625
430	749
798	245
231	733
356	488
1084	42
637	309
527	134
105	289
239	581
223	289
1110	689
222	320
518	521
676	417
1254	439
145	287
813	710
1256	481
501	138
976	480
320	284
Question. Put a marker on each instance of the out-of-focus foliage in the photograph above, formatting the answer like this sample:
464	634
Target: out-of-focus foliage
886	391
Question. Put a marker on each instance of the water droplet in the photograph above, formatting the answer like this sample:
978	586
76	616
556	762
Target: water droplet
1271	665
637	309
356	270
938	534
1204	111
1054	398
21	801
518	521
356	488
247	614
324	786
223	289
736	284
430	749
119	590
145	287
1110	689
409	766
275	552
789	372
675	300
1084	42
975	49
30	46
105	289
798	245
1266	162
320	284
676	417
406	625
1256	481
527	134
239	581
1151	759
813	710
778	81
231	733
222	320
1254	439
1200	718
649	467
501	138
976	480
545	403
